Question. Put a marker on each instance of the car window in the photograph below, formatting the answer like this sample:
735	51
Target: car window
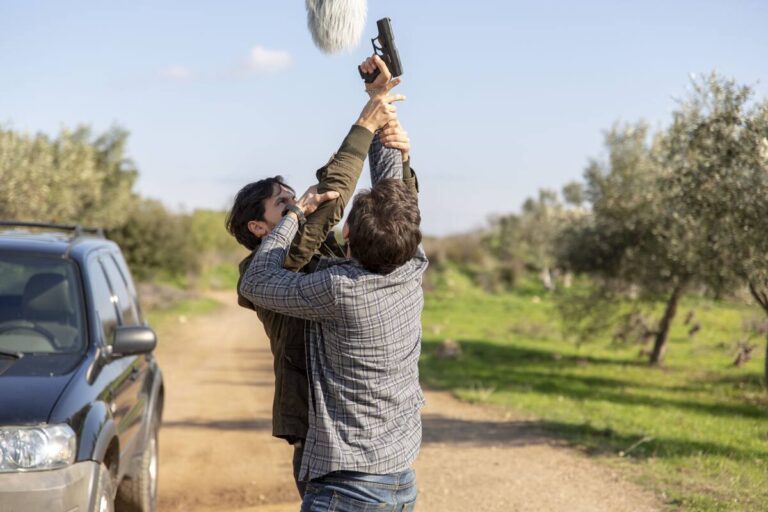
40	305
128	281
125	304
104	301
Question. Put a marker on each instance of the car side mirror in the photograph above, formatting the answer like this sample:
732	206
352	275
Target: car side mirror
133	339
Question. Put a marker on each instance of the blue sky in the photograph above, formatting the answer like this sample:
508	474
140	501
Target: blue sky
504	97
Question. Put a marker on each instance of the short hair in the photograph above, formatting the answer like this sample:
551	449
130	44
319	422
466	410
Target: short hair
248	206
384	226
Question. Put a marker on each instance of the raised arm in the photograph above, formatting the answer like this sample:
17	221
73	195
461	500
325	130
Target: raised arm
340	175
384	162
389	157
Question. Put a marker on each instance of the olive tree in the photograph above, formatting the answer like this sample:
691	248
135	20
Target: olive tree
716	153
73	178
626	242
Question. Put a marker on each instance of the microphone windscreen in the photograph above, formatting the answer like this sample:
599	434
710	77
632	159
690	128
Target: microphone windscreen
336	25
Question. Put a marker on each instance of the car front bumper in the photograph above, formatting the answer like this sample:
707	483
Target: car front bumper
69	489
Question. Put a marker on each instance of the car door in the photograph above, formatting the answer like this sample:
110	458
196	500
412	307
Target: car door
134	396
115	374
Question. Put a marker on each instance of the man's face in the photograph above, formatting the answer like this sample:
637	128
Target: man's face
273	211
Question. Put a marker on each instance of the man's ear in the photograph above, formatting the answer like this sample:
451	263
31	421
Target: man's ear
258	228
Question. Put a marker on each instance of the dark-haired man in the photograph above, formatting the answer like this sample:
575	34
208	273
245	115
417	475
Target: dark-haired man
364	344
259	206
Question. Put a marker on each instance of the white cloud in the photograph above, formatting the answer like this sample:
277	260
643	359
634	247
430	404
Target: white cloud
260	61
176	73
263	60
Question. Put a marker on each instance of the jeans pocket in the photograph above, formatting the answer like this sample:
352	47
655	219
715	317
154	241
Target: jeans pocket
341	503
315	500
409	507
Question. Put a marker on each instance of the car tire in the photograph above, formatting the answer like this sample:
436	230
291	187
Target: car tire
138	493
105	491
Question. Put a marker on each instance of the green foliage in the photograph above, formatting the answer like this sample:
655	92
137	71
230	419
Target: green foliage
626	238
156	242
470	255
84	179
716	153
218	253
587	311
716	163
683	207
528	239
208	233
74	178
695	431
573	193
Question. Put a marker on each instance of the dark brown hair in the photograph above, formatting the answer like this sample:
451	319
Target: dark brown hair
384	226
248	206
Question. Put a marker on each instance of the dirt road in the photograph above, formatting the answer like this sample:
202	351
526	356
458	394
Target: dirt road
217	454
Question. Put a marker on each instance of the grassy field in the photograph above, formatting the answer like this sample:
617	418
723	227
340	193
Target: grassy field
695	431
173	299
181	311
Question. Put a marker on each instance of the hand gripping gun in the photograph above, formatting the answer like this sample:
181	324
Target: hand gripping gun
386	49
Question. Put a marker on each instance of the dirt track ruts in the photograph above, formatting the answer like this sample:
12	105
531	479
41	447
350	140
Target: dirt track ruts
216	452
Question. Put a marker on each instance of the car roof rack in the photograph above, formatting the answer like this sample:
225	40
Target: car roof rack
76	228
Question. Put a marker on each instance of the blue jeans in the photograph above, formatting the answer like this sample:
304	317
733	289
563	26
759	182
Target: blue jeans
349	491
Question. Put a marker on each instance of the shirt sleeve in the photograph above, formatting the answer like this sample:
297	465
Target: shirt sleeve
268	285
340	174
385	163
388	163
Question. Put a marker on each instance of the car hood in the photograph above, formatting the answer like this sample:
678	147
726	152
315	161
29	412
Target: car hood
31	386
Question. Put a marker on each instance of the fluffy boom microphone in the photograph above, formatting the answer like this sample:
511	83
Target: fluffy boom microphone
336	25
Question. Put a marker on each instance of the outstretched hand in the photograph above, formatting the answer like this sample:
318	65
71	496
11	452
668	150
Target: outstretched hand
310	200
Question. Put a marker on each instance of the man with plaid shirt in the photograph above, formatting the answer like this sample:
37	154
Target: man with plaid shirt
364	342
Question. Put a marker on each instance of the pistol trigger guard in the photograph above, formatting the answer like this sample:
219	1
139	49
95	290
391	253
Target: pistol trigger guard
378	50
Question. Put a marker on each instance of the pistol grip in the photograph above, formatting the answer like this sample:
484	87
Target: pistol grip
368	77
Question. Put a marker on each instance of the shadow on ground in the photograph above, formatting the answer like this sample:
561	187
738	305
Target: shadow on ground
241	424
497	367
440	429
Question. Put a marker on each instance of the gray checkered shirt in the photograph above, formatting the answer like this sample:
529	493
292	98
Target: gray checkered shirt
364	345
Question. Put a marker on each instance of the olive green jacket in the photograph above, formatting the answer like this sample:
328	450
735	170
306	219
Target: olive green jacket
315	239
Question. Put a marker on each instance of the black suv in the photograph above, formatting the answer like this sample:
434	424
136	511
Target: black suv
81	394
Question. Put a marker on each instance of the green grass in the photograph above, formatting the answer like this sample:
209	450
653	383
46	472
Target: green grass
701	424
222	276
161	317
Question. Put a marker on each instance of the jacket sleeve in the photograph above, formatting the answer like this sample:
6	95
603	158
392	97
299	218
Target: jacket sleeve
341	174
409	177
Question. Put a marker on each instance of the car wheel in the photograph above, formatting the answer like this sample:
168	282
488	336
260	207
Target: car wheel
138	493
105	491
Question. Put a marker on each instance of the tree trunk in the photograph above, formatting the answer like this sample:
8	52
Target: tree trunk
660	343
761	297
765	368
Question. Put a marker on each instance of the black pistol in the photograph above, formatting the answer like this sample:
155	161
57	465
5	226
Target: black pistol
386	49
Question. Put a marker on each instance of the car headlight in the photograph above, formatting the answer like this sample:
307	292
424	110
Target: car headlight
35	448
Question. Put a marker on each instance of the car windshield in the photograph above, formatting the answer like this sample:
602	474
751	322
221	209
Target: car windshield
40	305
